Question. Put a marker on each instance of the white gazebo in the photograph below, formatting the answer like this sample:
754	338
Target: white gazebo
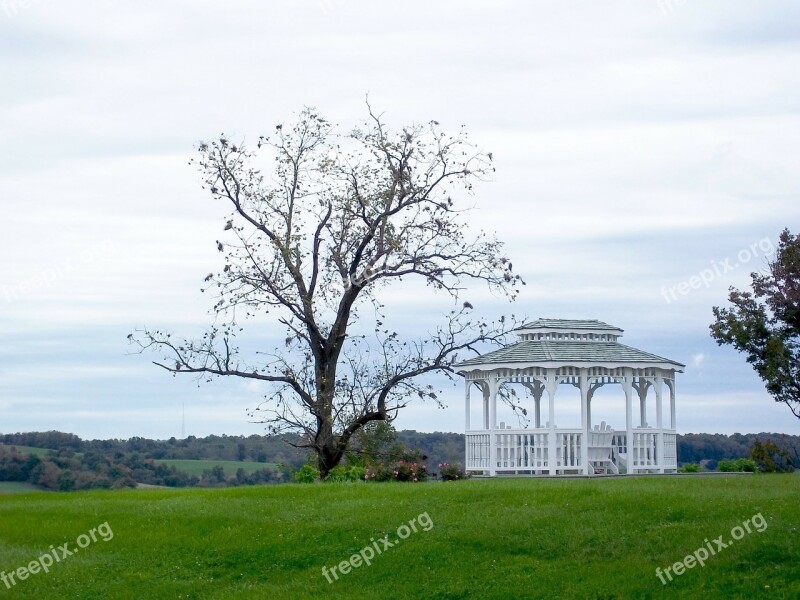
587	355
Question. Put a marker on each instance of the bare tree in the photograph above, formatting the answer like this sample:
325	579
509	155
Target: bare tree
315	245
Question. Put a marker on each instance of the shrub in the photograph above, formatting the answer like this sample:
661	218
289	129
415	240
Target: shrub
66	481
746	464
771	458
306	474
737	465
727	466
406	471
690	468
343	473
400	471
448	472
356	473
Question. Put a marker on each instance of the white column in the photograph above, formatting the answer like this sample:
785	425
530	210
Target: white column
468	385
672	406
552	384
659	425
466	405
485	390
627	384
536	389
589	396
584	383
494	385
642	403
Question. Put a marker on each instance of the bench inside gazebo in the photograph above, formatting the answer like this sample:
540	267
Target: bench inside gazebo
585	354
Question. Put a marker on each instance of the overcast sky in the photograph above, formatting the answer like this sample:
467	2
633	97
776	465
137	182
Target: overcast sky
638	144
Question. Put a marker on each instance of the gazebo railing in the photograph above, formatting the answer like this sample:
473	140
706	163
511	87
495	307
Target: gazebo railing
670	450
644	449
529	450
521	449
568	448
478	451
524	449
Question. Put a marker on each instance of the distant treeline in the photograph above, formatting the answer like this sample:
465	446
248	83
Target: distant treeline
65	470
255	448
438	447
72	463
710	448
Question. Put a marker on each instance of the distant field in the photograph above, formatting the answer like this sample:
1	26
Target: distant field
28	449
15	487
196	467
487	539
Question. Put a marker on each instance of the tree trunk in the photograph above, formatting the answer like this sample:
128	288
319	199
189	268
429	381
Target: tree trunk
327	444
329	455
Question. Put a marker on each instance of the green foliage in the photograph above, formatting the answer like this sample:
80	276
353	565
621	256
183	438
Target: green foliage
197	467
764	323
690	468
65	470
737	465
115	463
124	463
255	448
448	472
772	458
438	446
52	440
66	481
307	474
386	459
346	473
376	442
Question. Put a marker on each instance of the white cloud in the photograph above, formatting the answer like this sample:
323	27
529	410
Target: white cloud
634	146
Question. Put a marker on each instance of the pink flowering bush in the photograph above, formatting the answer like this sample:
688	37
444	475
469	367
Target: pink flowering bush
400	471
449	472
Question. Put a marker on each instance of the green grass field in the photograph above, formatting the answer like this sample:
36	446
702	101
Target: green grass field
510	538
30	450
196	467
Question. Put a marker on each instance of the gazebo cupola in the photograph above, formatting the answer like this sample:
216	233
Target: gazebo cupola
585	354
562	330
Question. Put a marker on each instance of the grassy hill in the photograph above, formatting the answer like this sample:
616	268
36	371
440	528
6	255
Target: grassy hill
503	539
196	467
30	450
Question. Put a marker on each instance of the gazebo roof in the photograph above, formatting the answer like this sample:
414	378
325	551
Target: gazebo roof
568	325
569	352
563	342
